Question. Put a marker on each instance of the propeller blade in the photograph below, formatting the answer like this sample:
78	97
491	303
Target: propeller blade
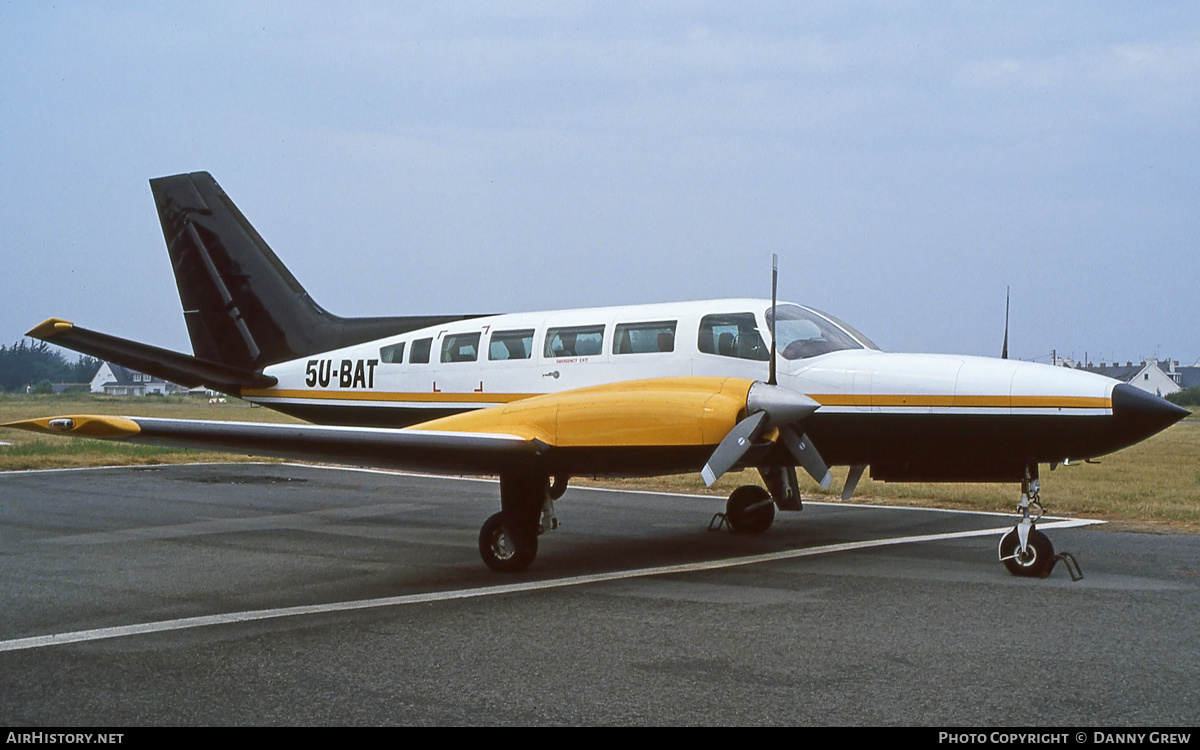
774	286
806	455
852	478
1004	350
733	447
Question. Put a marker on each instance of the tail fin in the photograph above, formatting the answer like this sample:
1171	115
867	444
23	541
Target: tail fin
242	306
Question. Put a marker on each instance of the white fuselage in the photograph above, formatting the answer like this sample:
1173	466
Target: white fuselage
471	377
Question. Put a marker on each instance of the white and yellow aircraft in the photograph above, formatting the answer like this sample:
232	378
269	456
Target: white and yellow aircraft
537	398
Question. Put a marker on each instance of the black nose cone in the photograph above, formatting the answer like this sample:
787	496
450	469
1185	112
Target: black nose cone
1139	414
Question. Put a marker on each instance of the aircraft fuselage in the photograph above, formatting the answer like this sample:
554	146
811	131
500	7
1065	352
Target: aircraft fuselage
917	417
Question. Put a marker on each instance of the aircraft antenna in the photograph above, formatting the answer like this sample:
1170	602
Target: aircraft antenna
1004	350
774	287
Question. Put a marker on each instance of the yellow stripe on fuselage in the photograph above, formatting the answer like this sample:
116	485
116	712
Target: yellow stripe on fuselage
825	399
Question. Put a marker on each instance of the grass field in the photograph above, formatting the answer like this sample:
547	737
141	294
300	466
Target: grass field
1153	485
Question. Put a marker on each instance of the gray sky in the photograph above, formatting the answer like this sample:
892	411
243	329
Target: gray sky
906	161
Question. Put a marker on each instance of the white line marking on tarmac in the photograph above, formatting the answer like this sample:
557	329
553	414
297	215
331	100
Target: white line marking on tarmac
187	623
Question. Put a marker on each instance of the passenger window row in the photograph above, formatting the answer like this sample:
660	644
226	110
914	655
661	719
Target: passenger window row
729	335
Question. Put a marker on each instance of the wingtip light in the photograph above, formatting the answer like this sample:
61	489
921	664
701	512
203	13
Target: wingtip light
86	425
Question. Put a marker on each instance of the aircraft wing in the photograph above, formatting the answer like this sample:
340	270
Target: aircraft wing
632	428
422	450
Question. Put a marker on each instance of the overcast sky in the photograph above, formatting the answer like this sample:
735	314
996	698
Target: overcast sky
906	161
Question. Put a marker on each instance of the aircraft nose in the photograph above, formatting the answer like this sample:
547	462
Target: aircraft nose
1140	415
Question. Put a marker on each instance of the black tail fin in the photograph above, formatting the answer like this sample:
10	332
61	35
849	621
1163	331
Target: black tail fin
243	307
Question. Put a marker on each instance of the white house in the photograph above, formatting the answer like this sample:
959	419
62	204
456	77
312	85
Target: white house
1147	376
115	380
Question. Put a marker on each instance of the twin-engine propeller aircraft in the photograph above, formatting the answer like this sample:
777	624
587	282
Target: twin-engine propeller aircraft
538	398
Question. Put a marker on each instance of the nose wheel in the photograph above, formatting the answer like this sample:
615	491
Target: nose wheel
1033	561
1027	552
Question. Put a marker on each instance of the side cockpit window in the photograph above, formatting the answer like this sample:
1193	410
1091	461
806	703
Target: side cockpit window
511	345
802	333
644	338
732	335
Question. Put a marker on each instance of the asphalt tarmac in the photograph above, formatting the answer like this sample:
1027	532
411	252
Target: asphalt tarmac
273	594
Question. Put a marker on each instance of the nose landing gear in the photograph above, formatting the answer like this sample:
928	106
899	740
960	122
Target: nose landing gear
1027	552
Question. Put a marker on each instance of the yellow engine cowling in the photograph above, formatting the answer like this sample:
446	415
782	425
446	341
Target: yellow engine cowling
659	412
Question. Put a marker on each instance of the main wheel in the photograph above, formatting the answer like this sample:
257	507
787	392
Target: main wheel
750	510
1034	562
499	549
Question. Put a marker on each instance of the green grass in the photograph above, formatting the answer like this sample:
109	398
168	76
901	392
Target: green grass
1155	484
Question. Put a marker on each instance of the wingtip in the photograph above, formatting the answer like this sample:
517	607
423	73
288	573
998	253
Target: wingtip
82	425
49	328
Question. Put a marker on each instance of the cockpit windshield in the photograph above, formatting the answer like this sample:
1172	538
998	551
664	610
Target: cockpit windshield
802	332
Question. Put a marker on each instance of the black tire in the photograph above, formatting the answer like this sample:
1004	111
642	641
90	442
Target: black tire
1037	559
750	510
499	550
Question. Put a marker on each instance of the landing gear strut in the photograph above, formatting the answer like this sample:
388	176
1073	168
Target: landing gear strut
508	541
1025	551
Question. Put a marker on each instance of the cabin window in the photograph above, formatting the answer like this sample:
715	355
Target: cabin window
419	354
576	341
393	354
732	335
511	344
460	347
644	338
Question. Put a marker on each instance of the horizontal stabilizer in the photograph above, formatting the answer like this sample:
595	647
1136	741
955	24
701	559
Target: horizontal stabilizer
175	367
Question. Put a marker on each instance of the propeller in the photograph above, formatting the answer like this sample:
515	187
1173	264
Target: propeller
774	286
770	406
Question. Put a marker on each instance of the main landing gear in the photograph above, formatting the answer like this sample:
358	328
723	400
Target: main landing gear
751	509
1027	552
508	541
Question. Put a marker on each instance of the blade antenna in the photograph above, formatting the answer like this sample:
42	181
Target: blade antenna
774	287
1004	351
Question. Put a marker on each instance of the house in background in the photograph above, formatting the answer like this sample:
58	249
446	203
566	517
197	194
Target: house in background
1189	377
1160	377
114	380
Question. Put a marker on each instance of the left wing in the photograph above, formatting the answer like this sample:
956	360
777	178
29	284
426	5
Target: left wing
646	427
443	452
